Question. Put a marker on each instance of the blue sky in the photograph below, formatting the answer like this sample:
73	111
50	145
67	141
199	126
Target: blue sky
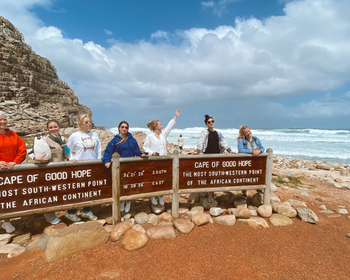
265	64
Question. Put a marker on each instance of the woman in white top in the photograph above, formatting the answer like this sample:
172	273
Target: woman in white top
87	145
155	142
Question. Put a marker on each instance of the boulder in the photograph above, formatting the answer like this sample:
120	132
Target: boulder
183	226
134	240
161	232
74	239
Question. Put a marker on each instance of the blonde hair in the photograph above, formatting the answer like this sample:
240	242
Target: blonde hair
81	117
241	132
152	124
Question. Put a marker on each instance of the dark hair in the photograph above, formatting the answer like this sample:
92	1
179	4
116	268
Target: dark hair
207	117
53	120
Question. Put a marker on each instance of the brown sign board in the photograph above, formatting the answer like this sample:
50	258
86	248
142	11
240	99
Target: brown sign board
221	172
23	189
145	177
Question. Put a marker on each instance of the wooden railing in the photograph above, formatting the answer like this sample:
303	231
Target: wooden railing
29	189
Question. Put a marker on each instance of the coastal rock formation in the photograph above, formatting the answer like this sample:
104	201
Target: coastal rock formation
31	92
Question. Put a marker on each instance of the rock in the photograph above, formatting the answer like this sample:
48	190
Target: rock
153	219
273	188
232	211
52	228
280	220
296	203
307	215
31	91
22	239
265	211
165	217
322	199
134	240
348	234
165	223
341	211
4	239
183	210
141	218
119	230
327	211
304	193
139	228
324	166
74	239
200	218
12	250
207	205
255	222
38	243
285	180
183	226
109	220
161	232
243	213
257	199
284	208
37	223
274	198
323	207
227	220
196	209
216	211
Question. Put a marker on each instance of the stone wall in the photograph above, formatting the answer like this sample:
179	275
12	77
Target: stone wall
31	92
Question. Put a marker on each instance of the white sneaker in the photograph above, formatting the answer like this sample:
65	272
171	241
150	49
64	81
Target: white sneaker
122	206
8	227
154	200
127	206
161	200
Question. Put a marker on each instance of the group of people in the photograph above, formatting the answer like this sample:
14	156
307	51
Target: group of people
86	145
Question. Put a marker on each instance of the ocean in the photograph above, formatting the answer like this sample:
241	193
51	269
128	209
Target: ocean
308	143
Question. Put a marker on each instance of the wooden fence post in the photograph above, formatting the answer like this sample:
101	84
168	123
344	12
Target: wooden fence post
269	162
116	188
175	197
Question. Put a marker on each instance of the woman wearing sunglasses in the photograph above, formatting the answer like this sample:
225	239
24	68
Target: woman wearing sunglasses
211	141
126	146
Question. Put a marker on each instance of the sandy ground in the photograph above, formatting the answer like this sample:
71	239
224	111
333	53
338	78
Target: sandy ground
213	251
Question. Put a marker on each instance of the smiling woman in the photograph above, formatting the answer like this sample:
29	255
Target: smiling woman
12	151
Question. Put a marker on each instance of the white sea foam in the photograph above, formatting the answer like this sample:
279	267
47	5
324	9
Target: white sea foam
306	143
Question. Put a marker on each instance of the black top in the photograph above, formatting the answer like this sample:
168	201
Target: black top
213	143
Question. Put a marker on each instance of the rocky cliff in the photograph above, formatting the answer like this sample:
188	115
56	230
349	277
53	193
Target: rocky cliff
31	92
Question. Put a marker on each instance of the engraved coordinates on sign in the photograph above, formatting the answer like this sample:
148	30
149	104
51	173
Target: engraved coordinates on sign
137	174
77	190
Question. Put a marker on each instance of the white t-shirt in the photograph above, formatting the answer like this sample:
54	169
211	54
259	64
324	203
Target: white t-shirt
153	144
85	145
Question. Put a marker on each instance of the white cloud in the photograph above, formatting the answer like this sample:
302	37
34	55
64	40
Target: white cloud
219	7
304	51
108	32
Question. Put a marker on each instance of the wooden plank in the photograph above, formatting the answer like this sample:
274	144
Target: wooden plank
209	172
54	185
146	176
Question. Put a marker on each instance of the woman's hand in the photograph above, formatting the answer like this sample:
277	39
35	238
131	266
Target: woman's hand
177	113
108	164
41	159
144	155
256	153
3	165
73	160
155	154
10	165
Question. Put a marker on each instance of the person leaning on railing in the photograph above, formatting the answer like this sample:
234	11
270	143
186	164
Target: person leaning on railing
59	152
249	144
155	145
87	145
12	151
126	146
